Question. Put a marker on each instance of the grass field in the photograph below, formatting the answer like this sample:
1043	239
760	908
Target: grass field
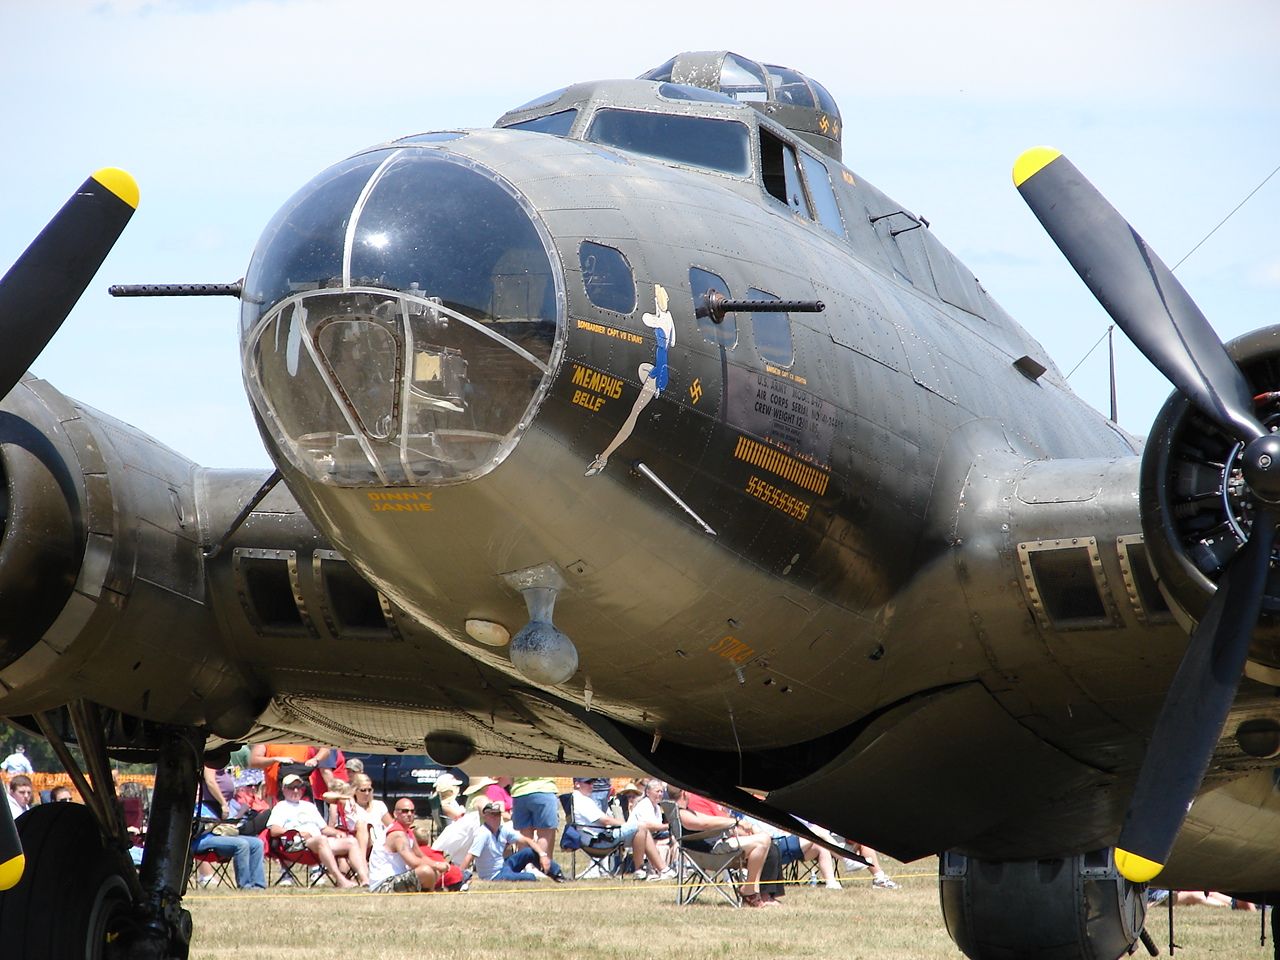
624	920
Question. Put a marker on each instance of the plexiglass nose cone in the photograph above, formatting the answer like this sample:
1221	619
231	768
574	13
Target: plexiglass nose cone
401	319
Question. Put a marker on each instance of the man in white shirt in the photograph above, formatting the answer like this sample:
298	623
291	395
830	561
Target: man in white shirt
460	835
588	816
647	808
294	813
20	794
17	762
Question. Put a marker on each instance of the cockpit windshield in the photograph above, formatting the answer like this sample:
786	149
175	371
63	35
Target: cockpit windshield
705	142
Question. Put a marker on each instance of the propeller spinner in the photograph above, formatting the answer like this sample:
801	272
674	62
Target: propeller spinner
1154	310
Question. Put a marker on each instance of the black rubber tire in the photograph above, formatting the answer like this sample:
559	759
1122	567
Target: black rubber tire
73	899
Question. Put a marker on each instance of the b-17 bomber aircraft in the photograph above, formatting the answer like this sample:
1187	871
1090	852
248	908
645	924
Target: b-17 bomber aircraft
639	432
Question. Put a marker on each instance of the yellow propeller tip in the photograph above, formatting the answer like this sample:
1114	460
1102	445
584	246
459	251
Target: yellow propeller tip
1032	162
11	871
120	183
1136	868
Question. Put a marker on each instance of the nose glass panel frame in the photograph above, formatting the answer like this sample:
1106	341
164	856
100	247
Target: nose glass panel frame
372	387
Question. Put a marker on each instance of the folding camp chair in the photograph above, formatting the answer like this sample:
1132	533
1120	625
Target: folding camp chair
604	859
800	871
438	820
221	864
290	860
698	870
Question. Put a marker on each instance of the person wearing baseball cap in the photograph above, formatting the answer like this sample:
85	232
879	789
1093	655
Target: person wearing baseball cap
485	856
458	837
293	814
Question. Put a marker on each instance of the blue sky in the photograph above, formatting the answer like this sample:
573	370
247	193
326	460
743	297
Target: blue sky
222	108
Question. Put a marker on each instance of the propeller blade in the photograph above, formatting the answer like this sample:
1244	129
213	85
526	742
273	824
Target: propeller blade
41	288
12	860
1195	709
1139	292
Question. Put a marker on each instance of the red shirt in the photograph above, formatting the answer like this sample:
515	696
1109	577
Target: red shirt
428	852
704	806
296	753
318	786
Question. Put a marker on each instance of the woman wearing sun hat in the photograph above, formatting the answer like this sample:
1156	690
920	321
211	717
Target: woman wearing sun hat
494	789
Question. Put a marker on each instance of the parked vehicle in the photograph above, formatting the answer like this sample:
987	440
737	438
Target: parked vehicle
410	775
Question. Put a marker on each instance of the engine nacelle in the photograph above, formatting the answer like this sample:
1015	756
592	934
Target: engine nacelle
1196	511
1066	908
102	580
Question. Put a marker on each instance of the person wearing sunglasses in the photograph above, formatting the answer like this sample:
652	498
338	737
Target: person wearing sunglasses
371	815
397	865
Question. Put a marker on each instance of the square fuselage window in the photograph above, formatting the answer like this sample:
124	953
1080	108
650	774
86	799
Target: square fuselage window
772	332
607	277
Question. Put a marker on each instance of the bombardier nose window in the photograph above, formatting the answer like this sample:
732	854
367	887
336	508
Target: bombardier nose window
402	316
607	277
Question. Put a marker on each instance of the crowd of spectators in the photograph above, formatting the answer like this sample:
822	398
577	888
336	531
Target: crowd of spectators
311	804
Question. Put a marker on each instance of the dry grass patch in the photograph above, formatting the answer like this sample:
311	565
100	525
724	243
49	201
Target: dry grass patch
623	920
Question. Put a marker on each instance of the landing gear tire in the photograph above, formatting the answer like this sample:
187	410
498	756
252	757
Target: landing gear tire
74	900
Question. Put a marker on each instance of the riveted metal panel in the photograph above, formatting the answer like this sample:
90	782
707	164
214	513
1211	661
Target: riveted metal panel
1040	601
328	611
955	284
70	623
100	512
52	398
96	565
246	562
88	450
1132	552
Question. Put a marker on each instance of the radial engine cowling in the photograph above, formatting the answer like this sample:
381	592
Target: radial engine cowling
42	522
1196	510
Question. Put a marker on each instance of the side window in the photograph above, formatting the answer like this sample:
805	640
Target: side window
724	333
824	197
883	225
796	199
772	332
781	173
607	277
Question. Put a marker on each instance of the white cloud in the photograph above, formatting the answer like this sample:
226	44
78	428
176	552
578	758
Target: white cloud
1268	274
